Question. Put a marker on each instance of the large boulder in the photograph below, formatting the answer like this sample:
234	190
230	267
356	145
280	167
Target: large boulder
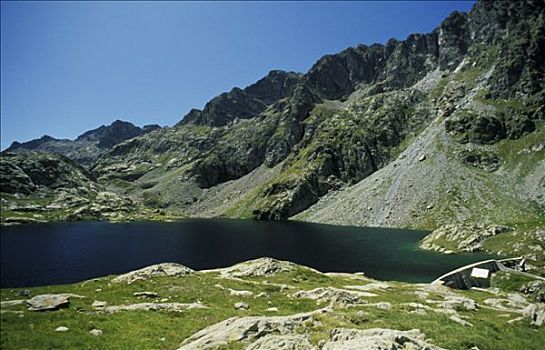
45	302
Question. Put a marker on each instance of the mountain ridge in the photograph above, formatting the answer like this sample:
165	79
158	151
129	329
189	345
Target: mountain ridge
88	146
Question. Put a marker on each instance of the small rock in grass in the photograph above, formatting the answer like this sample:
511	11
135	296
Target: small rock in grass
383	305
240	293
97	304
62	329
96	332
145	294
241	306
460	321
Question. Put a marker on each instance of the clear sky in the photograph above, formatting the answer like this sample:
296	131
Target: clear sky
68	67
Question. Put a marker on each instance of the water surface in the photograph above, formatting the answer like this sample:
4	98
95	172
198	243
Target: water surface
61	253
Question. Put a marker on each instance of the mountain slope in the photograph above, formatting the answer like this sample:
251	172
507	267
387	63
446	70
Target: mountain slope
349	116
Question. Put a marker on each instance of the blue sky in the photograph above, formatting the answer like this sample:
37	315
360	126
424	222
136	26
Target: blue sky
69	67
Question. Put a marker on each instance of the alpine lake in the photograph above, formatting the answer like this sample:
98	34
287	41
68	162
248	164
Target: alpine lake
61	253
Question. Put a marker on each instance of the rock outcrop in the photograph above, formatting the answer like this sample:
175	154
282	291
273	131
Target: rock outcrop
280	332
258	267
335	296
377	338
245	329
167	307
164	269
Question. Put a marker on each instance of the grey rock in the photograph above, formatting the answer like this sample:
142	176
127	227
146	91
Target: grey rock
146	294
282	342
245	329
258	267
241	306
536	313
99	304
96	332
340	297
50	301
383	305
461	321
10	303
169	307
240	293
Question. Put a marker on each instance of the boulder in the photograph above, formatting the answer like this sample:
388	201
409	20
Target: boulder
50	301
164	269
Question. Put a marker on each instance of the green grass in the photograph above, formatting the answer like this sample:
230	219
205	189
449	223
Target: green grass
163	330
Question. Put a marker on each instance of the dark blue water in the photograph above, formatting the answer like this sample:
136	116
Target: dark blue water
61	253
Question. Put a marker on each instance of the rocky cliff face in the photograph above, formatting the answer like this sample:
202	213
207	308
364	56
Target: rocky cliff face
472	89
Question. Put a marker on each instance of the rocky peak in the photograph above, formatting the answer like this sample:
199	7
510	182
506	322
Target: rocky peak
151	127
396	64
225	108
274	86
335	76
30	145
244	104
117	132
